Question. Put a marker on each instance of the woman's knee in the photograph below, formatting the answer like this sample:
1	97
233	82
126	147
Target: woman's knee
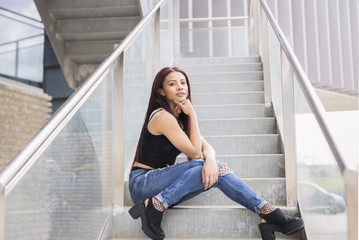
223	170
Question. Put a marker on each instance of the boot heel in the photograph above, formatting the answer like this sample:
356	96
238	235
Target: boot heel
136	210
267	231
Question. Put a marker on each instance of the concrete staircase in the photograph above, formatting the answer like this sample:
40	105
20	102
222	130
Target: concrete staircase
228	96
83	32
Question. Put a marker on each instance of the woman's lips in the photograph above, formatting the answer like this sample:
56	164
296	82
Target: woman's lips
180	94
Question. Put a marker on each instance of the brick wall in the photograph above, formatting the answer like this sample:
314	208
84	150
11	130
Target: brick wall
23	110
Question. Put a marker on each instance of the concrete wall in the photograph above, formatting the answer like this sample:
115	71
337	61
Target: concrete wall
324	36
23	110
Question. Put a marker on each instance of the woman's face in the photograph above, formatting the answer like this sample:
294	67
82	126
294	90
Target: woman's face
174	87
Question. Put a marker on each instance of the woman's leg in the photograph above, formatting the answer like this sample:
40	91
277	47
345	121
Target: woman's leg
190	181
145	184
232	187
240	192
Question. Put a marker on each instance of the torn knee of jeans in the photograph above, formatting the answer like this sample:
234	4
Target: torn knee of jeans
224	170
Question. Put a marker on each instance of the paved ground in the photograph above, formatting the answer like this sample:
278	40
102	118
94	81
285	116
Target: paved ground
326	226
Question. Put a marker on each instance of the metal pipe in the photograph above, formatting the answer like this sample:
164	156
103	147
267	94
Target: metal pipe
212	19
21	15
75	101
17	59
157	42
250	10
118	132
306	86
17	20
22	39
2	215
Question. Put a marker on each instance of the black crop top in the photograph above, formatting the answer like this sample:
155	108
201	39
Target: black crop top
157	150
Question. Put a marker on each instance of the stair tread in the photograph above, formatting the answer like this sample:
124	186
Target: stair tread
235	222
200	238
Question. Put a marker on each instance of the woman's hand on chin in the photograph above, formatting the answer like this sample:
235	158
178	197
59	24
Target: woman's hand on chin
185	107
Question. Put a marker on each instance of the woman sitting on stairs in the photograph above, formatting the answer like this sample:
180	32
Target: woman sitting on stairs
155	183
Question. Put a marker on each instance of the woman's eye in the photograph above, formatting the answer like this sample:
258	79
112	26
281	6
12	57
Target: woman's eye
172	84
183	83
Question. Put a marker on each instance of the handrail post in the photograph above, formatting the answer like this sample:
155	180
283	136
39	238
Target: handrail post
157	39
254	28
17	59
351	192
2	215
176	28
289	137
118	132
265	57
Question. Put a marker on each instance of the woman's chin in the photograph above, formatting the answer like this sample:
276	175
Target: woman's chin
181	99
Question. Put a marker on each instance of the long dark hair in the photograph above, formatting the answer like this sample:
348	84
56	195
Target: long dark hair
159	101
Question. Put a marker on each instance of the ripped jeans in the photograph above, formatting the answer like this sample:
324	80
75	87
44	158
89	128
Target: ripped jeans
180	182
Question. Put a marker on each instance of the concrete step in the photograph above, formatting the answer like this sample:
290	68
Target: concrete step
68	4
88	29
197	238
197	222
245	144
218	111
84	36
228	98
96	12
214	98
225	76
233	111
264	187
235	86
237	126
205	87
216	60
215	111
87	48
251	166
88	59
239	67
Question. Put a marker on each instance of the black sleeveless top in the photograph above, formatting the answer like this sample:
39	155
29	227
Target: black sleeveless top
157	150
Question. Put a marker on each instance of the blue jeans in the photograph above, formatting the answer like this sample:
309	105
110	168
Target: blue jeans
174	184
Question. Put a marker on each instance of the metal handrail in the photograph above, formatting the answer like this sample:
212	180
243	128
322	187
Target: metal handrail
61	117
22	39
307	87
213	19
20	21
21	15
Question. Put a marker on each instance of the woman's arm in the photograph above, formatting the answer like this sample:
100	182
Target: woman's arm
165	123
210	168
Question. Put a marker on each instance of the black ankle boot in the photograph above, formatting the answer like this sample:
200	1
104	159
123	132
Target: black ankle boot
150	218
154	218
277	221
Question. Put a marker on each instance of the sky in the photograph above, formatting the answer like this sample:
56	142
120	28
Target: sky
15	30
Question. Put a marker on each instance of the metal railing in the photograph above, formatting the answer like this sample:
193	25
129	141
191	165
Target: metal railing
29	155
14	56
16	50
263	21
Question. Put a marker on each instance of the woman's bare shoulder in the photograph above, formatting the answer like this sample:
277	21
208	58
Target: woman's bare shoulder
161	114
160	121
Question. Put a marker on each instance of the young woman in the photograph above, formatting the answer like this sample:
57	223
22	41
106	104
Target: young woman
155	183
